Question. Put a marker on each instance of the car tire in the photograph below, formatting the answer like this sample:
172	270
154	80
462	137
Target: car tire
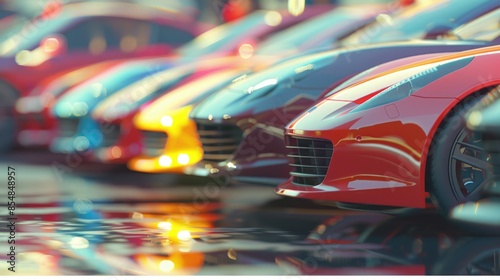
8	122
442	182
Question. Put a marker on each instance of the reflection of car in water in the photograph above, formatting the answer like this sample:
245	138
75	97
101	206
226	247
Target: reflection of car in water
415	244
105	237
470	256
345	229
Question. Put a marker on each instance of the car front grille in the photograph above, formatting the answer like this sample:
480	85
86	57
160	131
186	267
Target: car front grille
110	134
310	159
153	143
67	127
219	141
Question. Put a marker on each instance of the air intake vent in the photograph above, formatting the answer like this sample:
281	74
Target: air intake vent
153	143
110	134
67	127
310	159
219	141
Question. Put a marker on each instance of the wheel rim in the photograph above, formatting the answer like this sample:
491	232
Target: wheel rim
468	166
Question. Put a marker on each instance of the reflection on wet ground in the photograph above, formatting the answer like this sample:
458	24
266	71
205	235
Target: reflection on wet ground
98	219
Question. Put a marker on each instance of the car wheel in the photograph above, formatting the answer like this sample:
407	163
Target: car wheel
457	165
8	125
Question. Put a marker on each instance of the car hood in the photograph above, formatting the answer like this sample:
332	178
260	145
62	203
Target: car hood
250	90
186	95
336	109
312	74
179	85
80	100
132	96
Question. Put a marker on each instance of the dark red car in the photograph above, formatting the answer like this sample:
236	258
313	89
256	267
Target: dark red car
80	34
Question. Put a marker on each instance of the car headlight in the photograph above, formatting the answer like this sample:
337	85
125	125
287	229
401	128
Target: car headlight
69	109
412	84
167	121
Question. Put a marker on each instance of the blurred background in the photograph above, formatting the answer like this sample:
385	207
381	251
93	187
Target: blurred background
135	131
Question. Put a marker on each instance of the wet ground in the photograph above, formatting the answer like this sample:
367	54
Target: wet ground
77	218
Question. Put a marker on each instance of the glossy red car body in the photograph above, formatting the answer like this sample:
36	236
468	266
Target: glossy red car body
380	153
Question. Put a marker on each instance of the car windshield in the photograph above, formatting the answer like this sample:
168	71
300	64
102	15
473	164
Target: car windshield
295	36
218	37
485	28
412	22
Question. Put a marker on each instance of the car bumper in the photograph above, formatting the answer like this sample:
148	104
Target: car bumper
166	163
265	169
35	137
366	192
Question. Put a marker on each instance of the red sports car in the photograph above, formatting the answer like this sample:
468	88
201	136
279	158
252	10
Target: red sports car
389	140
80	34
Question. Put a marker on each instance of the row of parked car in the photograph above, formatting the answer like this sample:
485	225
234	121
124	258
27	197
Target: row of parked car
357	105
